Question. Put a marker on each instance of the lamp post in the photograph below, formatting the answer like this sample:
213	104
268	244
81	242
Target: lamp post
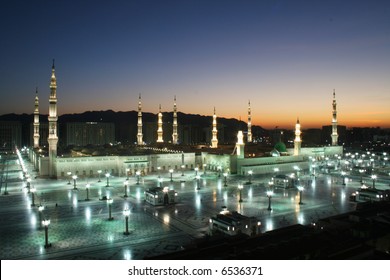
361	175
29	184
125	183
269	195
127	173
138	174
160	180
373	177
5	188
109	202
240	187
198	182
74	177
69	176
343	176
158	171
32	190
171	172
182	170
219	168
87	190
225	179
300	189
250	172
126	213
40	209
108	179
99	172
46	224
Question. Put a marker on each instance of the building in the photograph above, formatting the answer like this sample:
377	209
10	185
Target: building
161	196
233	223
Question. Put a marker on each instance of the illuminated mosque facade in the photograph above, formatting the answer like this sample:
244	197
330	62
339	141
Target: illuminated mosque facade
160	158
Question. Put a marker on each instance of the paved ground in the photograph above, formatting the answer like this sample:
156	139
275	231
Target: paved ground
81	229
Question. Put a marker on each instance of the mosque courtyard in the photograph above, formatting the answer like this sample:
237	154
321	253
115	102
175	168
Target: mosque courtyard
84	226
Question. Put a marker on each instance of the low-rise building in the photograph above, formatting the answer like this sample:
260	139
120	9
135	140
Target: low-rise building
160	196
233	223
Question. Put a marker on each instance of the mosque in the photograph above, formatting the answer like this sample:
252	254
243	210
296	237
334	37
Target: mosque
158	158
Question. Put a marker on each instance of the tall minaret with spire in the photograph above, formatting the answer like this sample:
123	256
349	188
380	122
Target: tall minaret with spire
297	140
140	141
334	135
174	134
36	120
159	129
214	140
249	137
53	138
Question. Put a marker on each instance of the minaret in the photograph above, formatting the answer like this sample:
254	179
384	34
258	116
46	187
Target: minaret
174	134
139	134
334	135
249	137
240	144
214	140
36	120
159	129
297	140
53	139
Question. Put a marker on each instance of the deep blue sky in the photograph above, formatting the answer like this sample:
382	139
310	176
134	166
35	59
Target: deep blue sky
285	56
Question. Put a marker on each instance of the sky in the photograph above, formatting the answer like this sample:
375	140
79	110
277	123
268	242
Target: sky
286	57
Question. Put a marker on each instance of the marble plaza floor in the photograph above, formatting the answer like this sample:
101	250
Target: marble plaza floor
81	229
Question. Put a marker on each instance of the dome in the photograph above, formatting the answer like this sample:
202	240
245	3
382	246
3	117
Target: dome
280	147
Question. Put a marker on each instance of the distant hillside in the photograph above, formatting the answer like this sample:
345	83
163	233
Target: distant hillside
127	121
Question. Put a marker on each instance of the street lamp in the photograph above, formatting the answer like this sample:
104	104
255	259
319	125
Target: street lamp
40	209
138	173
219	168
46	224
29	184
361	175
87	190
99	172
171	172
160	180
296	168
225	179
109	202
74	177
127	173
126	213
373	177
343	176
69	175
250	172
240	187
32	190
300	189
125	183
197	182
5	188
269	195
108	179
158	171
